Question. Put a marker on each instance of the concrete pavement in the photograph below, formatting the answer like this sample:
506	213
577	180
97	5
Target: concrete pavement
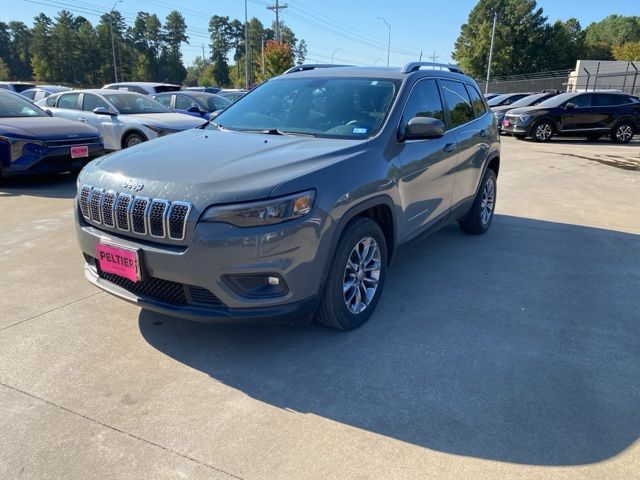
511	355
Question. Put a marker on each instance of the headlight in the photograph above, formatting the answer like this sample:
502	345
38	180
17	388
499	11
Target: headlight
266	212
160	131
16	146
499	116
524	118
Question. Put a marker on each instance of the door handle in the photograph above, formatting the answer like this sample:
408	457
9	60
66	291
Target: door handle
449	147
82	119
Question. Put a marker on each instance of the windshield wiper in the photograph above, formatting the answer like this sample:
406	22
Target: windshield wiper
210	122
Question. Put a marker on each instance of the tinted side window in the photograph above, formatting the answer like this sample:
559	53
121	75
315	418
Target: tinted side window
581	101
91	102
605	100
458	102
476	100
185	103
68	101
164	100
30	94
424	101
51	100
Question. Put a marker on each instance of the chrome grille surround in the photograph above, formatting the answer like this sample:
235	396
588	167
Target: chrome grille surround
125	212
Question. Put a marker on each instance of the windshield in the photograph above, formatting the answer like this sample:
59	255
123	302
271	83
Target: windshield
323	107
557	100
495	101
132	103
14	106
529	100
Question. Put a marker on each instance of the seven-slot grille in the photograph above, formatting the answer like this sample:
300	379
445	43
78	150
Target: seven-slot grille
141	215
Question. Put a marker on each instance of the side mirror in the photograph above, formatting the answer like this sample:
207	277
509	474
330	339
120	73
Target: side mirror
101	111
422	128
570	106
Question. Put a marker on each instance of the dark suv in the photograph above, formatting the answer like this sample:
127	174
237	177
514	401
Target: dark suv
296	200
591	114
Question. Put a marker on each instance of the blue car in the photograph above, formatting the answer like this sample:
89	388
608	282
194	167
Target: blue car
31	141
196	104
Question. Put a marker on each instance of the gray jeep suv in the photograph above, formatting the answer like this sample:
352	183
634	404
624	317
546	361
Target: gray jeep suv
295	199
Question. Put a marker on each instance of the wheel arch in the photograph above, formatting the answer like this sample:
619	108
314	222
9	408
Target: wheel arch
130	131
549	119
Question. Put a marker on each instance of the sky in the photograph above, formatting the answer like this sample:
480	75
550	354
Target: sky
347	31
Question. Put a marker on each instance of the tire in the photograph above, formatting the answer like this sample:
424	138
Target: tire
334	311
520	136
594	137
133	139
622	133
542	131
480	216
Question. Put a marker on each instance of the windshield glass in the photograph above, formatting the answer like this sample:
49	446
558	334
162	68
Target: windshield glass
323	107
132	103
529	100
557	100
495	101
14	106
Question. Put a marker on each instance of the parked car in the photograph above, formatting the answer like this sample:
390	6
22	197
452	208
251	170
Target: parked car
489	96
506	99
296	200
31	141
16	86
43	91
528	101
232	94
196	104
124	118
592	114
203	89
144	88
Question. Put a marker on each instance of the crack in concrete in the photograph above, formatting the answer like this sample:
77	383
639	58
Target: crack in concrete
115	429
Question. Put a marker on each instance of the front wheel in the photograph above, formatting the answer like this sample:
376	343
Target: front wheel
133	139
622	133
542	131
479	218
356	276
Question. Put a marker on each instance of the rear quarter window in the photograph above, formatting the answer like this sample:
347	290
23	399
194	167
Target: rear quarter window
476	101
458	102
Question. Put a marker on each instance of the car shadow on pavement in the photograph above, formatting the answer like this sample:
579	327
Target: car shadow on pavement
61	185
522	345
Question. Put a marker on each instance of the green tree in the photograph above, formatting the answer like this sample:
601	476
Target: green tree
300	52
519	42
195	71
4	70
629	51
613	30
220	32
40	48
174	36
64	51
565	43
20	58
5	47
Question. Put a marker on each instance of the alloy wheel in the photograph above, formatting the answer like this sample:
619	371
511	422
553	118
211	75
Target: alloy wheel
488	201
624	133
544	132
362	275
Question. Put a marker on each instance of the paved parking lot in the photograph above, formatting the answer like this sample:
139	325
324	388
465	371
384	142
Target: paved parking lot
513	355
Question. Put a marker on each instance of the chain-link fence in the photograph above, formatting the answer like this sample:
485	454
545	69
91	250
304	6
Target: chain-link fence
596	77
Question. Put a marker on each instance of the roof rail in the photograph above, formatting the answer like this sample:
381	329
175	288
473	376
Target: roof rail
415	66
311	66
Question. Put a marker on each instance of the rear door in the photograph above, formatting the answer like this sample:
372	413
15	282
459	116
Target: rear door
470	123
426	166
606	107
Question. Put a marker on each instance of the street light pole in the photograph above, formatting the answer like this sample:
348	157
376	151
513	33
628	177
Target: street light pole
113	48
493	37
389	39
246	48
334	52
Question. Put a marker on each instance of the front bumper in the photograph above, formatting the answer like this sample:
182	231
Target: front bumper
514	128
294	251
50	160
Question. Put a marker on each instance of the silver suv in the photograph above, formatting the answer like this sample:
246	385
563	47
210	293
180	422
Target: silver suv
295	200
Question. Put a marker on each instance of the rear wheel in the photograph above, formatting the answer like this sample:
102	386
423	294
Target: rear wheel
542	131
356	276
622	133
479	218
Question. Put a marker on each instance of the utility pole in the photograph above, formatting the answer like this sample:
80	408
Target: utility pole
203	52
246	48
493	37
434	56
113	47
262	53
276	8
389	39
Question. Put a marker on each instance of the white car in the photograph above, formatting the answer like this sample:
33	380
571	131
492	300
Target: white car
124	118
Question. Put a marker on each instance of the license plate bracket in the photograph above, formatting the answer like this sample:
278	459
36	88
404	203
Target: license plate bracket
119	260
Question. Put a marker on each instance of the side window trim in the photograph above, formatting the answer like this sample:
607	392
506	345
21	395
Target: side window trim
470	88
406	103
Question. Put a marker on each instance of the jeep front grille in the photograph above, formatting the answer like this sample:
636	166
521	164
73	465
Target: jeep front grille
128	213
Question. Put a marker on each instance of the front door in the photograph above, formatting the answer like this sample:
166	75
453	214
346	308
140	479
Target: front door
427	167
579	117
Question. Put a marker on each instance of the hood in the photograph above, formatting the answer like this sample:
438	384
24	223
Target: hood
46	128
208	167
530	110
176	121
502	109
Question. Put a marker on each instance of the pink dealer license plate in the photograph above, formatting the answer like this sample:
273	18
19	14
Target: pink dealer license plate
80	151
119	261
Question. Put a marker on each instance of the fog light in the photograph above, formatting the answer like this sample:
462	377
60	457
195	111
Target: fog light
273	281
258	285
